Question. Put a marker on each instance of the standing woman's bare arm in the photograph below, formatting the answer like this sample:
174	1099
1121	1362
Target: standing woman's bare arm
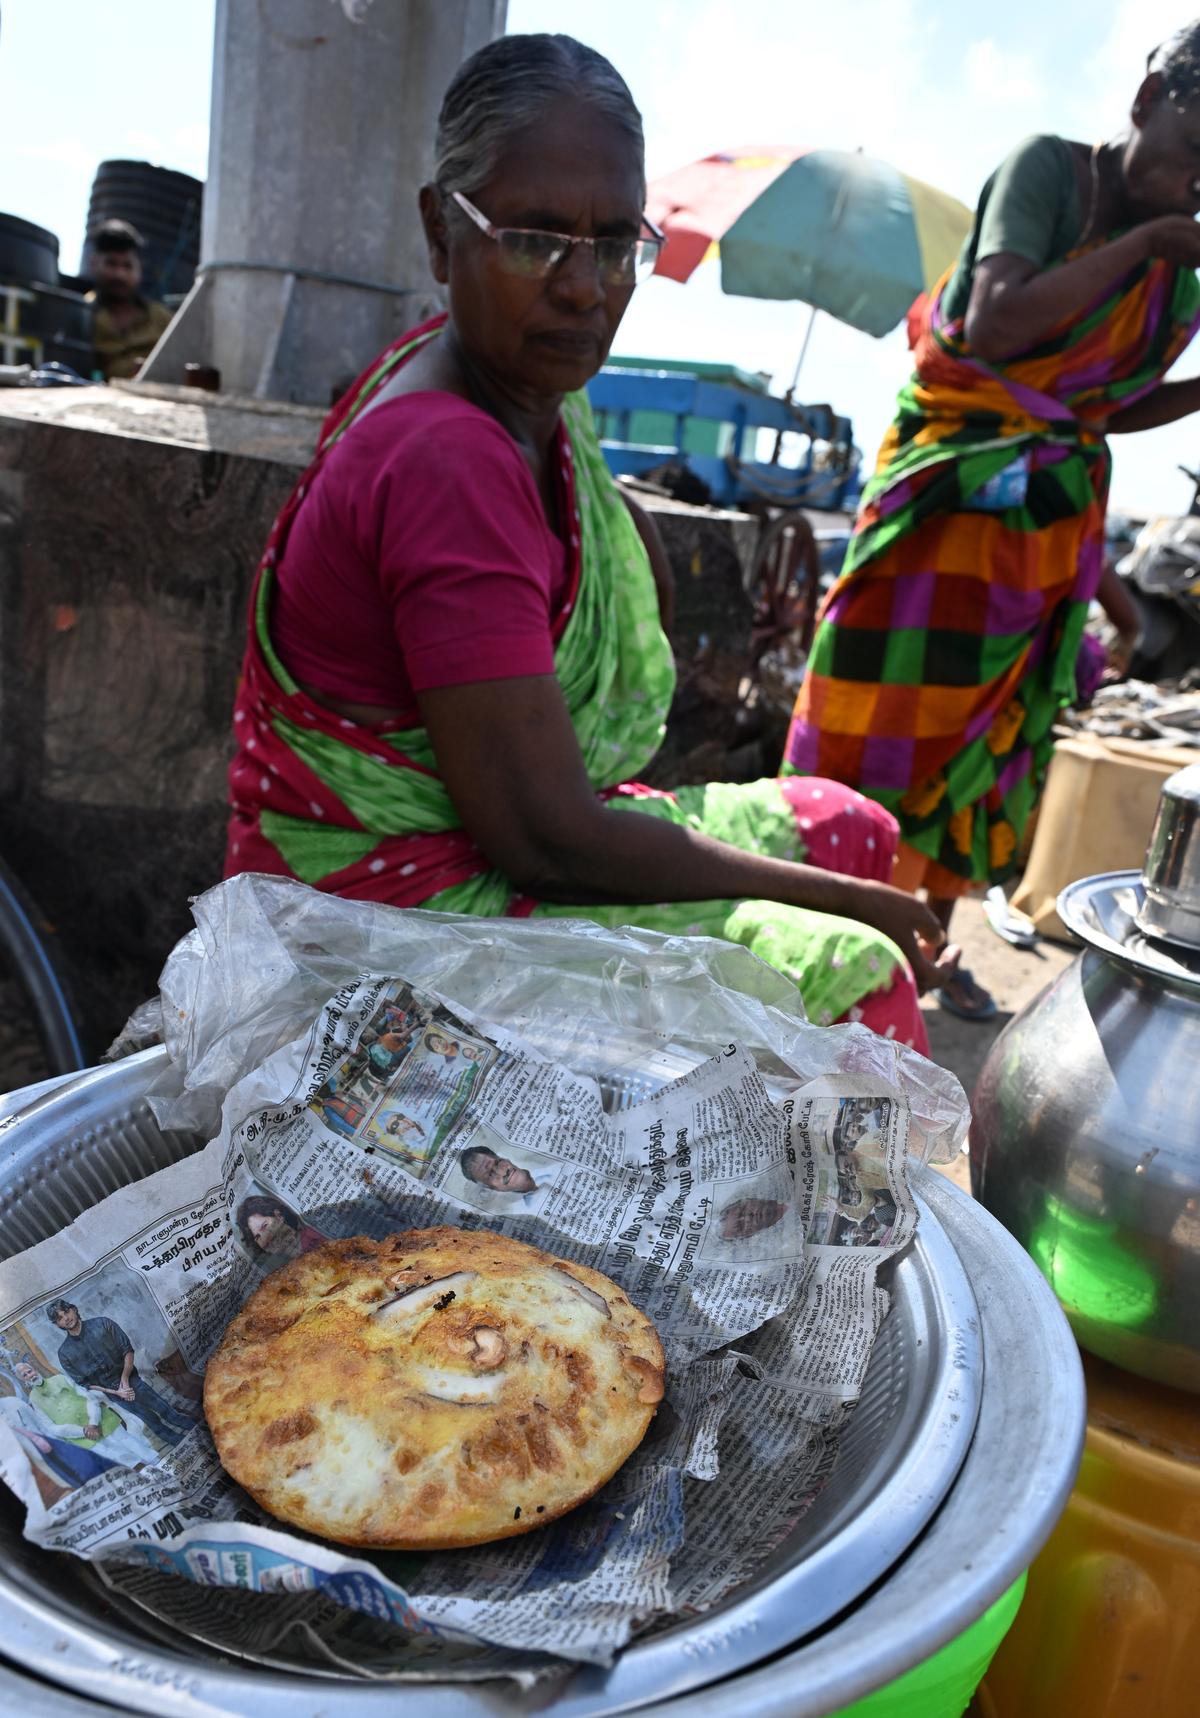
1013	302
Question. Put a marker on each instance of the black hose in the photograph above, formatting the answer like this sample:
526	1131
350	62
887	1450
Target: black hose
38	970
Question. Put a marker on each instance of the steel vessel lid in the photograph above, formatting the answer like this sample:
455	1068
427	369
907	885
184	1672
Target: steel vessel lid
1170	909
1106	913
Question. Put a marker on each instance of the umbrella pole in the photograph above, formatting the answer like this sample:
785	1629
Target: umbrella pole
812	317
790	395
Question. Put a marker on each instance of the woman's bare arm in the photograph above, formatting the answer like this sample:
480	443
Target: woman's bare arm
1013	302
1114	598
1117	603
508	755
1166	405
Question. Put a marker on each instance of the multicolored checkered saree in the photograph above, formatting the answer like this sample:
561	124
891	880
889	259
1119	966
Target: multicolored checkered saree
949	642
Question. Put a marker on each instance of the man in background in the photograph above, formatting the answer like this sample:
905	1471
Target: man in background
126	326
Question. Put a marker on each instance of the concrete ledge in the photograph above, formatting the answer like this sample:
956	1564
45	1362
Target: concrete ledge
174	417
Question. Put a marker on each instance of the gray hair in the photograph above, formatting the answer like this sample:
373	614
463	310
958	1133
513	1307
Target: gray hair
507	86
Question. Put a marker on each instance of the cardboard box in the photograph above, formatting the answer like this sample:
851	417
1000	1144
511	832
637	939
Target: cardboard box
1096	815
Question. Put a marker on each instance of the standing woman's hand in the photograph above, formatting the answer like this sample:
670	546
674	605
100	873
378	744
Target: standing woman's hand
1173	238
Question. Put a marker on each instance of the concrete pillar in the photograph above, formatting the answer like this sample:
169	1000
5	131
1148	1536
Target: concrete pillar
312	257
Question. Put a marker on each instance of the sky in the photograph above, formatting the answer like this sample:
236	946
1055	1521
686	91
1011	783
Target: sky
943	89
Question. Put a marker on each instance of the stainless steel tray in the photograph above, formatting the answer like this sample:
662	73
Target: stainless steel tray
39	1700
1009	1493
898	1460
1011	1490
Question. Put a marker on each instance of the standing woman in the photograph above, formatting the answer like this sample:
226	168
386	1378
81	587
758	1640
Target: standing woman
456	659
949	643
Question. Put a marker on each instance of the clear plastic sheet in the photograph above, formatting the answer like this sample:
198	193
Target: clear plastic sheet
266	954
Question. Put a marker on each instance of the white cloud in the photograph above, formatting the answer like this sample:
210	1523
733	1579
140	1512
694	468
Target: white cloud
67	152
185	150
143	145
1116	68
799	77
1006	77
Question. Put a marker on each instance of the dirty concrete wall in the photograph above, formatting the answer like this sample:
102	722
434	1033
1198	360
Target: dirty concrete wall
130	524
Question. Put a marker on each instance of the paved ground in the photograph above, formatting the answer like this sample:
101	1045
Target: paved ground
1014	977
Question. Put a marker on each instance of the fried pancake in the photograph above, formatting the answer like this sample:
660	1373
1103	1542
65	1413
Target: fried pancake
444	1387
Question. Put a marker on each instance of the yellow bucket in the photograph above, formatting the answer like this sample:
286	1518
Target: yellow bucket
1110	1627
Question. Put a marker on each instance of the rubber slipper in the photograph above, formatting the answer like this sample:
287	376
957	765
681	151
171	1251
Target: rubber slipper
983	1010
1014	927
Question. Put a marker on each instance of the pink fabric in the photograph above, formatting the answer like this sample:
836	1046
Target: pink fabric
421	557
894	1011
841	829
844	831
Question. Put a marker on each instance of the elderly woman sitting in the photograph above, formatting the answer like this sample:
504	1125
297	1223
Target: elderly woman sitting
456	659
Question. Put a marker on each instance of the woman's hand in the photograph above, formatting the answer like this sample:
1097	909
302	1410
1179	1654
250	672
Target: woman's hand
1173	238
911	925
1121	653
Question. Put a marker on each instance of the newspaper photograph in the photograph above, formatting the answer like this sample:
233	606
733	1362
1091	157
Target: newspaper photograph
750	1230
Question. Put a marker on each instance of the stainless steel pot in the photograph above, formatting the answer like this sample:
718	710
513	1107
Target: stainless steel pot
1085	1141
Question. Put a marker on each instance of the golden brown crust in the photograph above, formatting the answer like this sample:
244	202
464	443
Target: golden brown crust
441	1388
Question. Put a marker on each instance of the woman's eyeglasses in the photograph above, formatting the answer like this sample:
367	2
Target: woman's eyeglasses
535	255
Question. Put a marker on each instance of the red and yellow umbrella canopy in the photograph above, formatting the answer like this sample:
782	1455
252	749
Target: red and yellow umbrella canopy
845	232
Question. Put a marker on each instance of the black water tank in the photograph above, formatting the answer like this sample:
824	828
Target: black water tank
62	322
165	208
27	253
43	318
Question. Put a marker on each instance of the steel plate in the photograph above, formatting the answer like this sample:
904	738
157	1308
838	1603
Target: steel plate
1102	911
39	1700
898	1460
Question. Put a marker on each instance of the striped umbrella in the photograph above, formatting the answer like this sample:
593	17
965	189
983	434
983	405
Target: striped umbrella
843	232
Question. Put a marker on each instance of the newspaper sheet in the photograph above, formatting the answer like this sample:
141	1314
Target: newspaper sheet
749	1226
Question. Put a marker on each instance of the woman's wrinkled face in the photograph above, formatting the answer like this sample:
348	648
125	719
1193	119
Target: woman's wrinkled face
1161	164
575	171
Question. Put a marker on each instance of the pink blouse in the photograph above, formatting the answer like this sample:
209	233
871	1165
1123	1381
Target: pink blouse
421	557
